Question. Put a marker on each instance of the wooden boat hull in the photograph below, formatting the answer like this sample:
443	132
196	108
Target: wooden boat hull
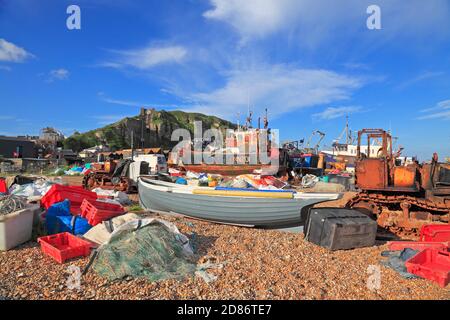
249	211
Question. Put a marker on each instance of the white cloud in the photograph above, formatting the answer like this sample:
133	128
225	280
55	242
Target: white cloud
148	57
109	64
318	20
58	74
440	111
131	103
336	112
4	118
5	68
120	102
252	17
11	53
356	66
281	88
421	77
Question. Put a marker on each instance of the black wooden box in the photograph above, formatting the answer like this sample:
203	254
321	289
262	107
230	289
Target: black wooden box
338	228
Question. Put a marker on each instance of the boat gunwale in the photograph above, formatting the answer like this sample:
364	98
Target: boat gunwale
186	189
269	213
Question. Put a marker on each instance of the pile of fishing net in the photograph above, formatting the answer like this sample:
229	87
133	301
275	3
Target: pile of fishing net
149	248
10	204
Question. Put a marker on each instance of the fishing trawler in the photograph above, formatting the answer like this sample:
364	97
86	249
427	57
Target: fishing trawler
347	150
240	154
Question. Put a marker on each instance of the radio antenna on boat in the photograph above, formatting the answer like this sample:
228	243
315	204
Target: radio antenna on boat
266	121
347	137
238	121
347	132
248	122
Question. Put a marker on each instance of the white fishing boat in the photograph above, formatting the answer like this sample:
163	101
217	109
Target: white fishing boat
257	208
348	148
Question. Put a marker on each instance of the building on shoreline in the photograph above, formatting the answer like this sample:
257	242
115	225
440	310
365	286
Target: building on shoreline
17	147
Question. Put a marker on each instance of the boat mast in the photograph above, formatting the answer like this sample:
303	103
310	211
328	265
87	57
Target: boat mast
347	135
266	121
238	120
248	122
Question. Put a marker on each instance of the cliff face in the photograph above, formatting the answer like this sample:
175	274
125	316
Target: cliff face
151	128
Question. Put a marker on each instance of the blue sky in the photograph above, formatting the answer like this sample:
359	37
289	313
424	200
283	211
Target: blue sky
309	62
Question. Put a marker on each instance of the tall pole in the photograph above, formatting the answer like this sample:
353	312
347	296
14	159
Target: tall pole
142	132
347	138
238	119
132	144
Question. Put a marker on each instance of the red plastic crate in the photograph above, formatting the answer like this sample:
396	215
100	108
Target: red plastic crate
3	188
431	264
75	195
417	245
97	211
64	246
435	232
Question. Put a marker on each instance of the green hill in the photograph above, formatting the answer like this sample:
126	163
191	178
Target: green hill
151	128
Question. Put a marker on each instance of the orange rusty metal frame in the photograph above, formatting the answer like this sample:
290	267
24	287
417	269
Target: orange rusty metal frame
374	173
375	134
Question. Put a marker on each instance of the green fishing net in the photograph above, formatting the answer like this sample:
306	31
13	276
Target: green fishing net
152	251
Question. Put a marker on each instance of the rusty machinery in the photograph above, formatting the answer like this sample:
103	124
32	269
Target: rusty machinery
113	174
402	198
